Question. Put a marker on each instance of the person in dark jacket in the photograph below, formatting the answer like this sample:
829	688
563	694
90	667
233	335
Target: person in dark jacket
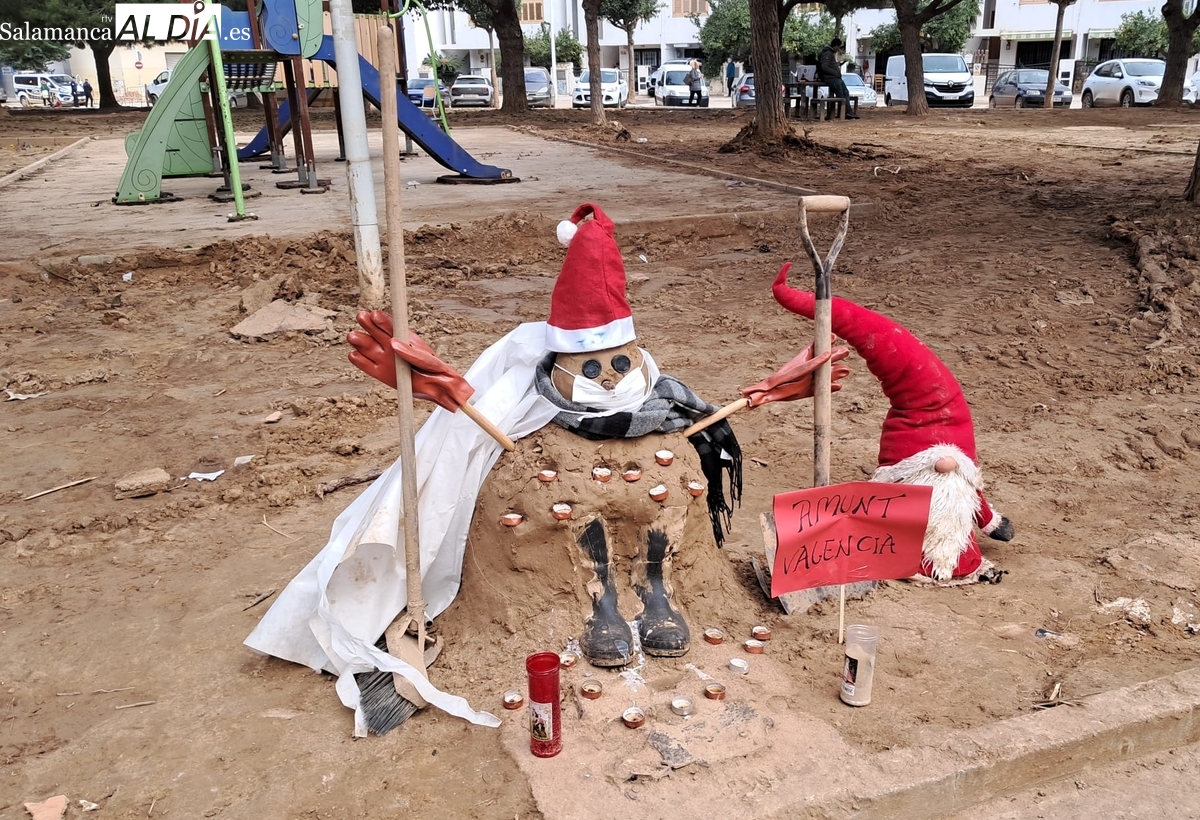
829	71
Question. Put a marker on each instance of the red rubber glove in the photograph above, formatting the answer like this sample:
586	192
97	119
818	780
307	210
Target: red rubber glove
795	380
432	379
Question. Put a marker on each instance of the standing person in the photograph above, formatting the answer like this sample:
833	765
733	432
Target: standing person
730	76
45	89
87	93
828	71
694	81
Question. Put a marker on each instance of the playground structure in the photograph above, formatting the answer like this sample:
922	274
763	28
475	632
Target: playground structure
182	136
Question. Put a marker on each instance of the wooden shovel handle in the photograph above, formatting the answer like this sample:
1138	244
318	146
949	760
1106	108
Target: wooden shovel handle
727	410
825	204
489	428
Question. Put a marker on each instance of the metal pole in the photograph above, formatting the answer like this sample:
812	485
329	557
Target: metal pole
553	57
363	214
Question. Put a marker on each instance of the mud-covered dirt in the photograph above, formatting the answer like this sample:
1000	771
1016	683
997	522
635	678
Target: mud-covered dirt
1045	256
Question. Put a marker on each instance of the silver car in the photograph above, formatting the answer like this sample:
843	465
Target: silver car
1124	82
743	91
860	90
470	89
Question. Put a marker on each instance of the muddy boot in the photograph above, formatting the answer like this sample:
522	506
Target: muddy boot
606	638
661	627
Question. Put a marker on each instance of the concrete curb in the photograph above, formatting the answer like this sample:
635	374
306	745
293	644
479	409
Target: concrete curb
975	766
23	173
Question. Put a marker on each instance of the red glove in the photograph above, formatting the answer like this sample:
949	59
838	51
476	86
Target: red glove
795	381
432	379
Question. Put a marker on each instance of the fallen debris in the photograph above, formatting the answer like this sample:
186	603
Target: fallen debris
280	316
347	481
59	487
273	418
142	483
51	809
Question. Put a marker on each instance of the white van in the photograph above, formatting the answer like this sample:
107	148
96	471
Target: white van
27	88
948	81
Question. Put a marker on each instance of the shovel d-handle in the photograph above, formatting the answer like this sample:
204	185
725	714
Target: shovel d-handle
825	204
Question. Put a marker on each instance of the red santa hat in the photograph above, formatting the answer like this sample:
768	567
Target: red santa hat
588	308
929	418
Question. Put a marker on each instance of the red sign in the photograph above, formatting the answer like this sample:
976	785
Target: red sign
138	65
843	533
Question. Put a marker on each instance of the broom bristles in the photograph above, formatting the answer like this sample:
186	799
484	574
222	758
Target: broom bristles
382	706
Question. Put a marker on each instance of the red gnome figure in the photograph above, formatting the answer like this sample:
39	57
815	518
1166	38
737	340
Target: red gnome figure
927	437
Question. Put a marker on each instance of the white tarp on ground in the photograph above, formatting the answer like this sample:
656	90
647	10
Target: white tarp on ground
332	613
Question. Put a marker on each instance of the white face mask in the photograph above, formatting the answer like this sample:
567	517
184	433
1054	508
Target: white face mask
629	394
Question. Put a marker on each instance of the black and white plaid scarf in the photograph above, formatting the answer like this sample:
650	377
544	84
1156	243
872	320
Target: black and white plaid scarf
671	406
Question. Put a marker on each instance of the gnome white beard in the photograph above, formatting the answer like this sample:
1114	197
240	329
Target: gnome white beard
952	509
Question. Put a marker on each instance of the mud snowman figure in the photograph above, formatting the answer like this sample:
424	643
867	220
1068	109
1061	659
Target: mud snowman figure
608	500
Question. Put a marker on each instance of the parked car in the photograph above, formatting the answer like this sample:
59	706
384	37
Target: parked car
421	92
860	90
1191	91
948	81
471	89
614	90
673	89
743	91
155	88
656	75
1026	88
1124	82
28	89
537	87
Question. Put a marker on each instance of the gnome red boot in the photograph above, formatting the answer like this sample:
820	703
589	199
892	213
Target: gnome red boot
661	627
606	639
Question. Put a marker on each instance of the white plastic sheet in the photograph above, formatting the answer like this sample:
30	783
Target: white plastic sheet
330	615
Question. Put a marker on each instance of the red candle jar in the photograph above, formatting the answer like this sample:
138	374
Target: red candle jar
545	718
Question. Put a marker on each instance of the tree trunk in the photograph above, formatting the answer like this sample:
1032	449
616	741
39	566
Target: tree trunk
770	115
632	68
101	50
492	52
1192	194
512	56
1052	82
914	71
1179	47
591	19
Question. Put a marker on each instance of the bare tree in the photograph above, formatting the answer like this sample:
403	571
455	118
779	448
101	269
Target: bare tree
1052	82
627	15
1181	28
1192	194
910	17
770	116
591	19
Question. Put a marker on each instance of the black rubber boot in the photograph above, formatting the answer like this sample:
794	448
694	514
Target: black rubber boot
661	627
606	639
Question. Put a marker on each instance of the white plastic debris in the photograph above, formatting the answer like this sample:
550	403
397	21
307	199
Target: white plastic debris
206	476
642	139
88	805
412	183
642	256
1136	609
242	460
23	396
127	277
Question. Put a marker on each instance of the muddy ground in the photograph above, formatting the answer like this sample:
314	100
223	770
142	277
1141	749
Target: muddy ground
1046	256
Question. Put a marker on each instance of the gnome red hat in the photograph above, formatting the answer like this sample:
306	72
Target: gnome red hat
588	308
929	420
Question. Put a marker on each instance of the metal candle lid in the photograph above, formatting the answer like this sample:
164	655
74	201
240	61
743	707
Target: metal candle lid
591	689
513	699
633	717
740	666
715	691
753	647
713	635
567	659
681	706
761	633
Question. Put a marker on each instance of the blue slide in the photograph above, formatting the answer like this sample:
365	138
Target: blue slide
260	144
413	121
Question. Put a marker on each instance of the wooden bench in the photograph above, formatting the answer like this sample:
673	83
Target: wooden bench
805	102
